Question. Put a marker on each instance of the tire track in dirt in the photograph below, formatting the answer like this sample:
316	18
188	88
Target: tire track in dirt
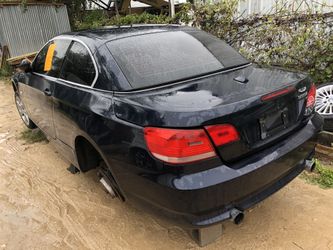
31	181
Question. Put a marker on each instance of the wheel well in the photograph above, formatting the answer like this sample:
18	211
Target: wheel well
87	156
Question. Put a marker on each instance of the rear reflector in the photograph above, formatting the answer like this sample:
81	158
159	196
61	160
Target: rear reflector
278	93
311	99
178	146
222	134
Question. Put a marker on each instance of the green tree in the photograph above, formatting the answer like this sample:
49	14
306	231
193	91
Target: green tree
75	8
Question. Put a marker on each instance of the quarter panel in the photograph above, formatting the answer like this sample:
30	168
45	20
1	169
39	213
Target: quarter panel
77	110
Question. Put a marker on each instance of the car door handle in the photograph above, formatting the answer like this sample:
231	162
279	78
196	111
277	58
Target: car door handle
47	92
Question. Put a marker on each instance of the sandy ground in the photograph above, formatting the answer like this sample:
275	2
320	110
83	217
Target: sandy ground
43	206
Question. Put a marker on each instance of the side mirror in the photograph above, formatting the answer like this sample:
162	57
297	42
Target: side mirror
25	66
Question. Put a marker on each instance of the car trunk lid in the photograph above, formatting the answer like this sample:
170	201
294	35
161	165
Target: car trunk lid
243	97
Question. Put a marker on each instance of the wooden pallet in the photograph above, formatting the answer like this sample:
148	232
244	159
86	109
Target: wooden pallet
17	60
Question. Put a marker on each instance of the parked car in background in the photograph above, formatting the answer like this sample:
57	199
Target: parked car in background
172	117
324	104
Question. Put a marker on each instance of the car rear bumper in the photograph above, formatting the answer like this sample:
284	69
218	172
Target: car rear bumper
205	198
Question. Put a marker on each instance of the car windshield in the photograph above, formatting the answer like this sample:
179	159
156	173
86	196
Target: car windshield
158	58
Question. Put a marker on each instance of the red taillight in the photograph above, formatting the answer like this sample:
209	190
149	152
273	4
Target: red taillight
276	94
311	99
178	146
222	134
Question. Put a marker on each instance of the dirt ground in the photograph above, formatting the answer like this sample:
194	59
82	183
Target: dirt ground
43	206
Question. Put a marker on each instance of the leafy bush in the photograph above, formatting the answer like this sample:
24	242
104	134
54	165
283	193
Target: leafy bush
144	18
6	71
291	39
91	19
98	18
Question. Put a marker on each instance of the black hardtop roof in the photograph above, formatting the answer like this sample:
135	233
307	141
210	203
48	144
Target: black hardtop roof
108	33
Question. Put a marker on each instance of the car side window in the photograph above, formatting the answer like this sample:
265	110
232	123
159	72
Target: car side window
50	58
78	66
39	62
60	50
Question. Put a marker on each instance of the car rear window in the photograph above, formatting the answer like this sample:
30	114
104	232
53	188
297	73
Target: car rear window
158	58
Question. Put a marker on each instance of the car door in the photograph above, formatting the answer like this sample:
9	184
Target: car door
73	92
39	89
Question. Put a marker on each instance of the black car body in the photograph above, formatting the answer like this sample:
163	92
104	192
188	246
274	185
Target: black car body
182	122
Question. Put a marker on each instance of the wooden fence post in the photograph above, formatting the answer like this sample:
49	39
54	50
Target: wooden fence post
5	55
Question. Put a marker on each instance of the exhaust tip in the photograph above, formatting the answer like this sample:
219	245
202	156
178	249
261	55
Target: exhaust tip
108	187
237	216
310	165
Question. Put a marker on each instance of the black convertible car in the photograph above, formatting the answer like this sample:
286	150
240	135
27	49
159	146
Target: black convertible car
172	117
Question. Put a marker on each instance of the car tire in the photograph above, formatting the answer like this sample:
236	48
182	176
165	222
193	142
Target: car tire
324	104
23	113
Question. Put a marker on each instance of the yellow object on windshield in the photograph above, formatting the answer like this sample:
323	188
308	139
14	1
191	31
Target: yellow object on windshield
49	57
